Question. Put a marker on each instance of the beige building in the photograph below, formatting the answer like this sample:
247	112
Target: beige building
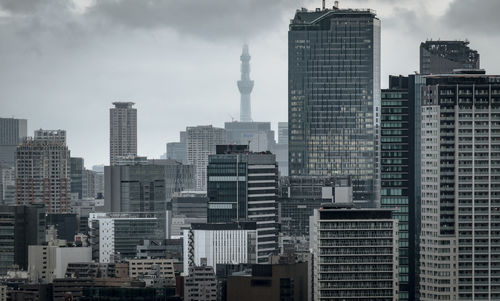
46	263
122	131
140	267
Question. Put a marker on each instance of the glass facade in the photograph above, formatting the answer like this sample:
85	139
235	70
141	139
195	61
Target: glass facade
334	97
394	153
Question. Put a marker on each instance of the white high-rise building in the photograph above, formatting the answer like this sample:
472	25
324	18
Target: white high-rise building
460	184
122	131
201	142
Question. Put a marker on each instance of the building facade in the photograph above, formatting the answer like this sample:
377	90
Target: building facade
43	172
220	243
243	186
460	130
201	284
334	97
257	135
12	133
442	57
21	227
122	131
355	254
177	150
201	142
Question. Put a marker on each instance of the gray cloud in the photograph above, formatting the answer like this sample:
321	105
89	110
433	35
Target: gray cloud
203	19
474	17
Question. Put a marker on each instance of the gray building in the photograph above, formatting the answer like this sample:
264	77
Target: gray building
201	142
281	148
77	173
186	208
201	284
334	97
12	133
134	188
460	184
177	150
243	186
20	227
122	131
7	185
43	172
301	195
245	85
51	135
442	57
355	254
257	135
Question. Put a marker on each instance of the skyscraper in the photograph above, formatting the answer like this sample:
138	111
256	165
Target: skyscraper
201	141
245	85
442	57
243	186
177	150
122	131
334	97
460	134
12	132
43	173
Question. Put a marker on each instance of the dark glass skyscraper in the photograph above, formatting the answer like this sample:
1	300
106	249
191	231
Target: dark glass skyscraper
334	97
442	57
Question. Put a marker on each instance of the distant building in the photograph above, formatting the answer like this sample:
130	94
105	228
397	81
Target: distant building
201	142
257	135
43	171
300	195
119	234
77	173
281	148
355	253
122	131
161	249
268	282
220	243
66	225
177	150
21	226
334	97
242	186
12	133
201	284
7	185
283	132
138	268
186	208
442	57
46	263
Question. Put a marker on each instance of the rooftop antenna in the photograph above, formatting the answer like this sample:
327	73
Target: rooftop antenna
323	5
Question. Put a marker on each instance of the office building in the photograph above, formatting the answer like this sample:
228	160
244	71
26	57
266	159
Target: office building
21	227
283	132
397	160
355	254
138	268
7	185
220	243
334	97
201	142
243	186
118	234
177	150
12	133
66	225
442	57
43	171
77	173
245	85
161	249
200	284
186	208
122	131
300	195
257	135
268	282
460	198
45	263
135	188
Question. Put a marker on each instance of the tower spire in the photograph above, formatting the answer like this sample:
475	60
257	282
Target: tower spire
245	85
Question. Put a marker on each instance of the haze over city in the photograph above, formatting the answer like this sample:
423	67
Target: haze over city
65	62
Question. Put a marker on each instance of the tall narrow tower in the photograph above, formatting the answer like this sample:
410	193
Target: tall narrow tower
245	85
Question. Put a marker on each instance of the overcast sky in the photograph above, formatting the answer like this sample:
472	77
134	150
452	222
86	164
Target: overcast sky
63	63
